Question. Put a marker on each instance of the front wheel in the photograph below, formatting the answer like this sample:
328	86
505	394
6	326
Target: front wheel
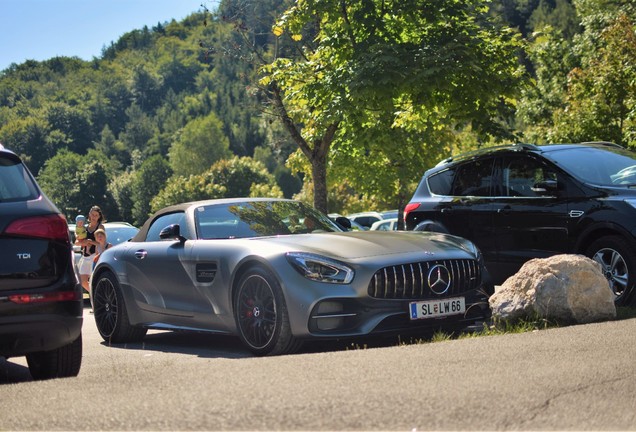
109	310
58	363
261	314
618	262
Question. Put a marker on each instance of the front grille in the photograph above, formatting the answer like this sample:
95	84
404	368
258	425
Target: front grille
410	281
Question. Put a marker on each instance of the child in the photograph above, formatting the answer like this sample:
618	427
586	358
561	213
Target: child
102	244
80	227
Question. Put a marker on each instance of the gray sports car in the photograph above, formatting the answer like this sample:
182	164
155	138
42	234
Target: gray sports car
276	273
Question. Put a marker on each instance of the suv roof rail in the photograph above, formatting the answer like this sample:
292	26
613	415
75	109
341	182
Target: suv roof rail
468	154
606	143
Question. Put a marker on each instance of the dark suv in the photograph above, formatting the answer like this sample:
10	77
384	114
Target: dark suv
524	201
41	304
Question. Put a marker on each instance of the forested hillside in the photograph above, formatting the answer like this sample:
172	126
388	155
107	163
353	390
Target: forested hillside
371	94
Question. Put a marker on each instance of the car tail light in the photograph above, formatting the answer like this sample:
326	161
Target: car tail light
410	207
49	226
44	298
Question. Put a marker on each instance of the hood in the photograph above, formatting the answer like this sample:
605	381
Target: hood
360	244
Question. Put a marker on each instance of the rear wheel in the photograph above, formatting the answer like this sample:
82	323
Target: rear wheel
618	262
261	314
431	226
58	363
109	310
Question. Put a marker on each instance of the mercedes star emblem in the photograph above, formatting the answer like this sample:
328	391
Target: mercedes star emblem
439	279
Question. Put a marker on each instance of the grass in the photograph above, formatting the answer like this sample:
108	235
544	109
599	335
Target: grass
501	328
488	329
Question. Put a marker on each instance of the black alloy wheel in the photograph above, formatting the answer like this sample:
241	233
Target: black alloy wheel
110	313
618	264
261	314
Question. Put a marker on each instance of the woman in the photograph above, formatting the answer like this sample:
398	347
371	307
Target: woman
89	245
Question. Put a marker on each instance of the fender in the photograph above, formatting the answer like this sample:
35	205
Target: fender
599	229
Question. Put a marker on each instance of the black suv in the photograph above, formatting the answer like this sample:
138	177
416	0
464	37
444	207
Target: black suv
41	304
523	201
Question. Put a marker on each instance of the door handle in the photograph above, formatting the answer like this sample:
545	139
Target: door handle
504	210
141	254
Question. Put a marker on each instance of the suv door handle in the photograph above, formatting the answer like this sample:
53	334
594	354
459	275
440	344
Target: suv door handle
446	210
504	210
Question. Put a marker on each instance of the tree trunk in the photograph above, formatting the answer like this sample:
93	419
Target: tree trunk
317	155
319	174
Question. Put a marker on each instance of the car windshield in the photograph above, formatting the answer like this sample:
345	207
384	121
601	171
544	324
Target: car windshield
259	219
610	166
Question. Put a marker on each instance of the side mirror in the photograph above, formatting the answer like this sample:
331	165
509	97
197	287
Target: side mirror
545	186
171	232
344	222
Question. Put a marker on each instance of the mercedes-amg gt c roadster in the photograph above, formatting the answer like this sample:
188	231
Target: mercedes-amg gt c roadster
276	272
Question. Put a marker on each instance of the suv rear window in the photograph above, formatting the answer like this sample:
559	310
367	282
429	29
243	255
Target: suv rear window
15	182
440	183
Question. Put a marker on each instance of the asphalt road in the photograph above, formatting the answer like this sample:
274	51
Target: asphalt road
573	378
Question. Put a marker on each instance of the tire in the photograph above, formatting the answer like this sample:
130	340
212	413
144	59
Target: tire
618	262
58	363
431	226
261	314
109	310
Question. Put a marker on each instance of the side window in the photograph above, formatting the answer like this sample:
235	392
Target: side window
162	222
474	178
521	175
440	183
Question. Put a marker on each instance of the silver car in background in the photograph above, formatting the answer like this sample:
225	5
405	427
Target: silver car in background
276	272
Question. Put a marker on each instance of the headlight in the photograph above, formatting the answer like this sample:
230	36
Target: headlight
319	268
473	249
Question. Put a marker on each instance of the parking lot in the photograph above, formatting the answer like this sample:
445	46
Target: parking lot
577	378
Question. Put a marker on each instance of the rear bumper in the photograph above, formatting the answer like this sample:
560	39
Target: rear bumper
20	335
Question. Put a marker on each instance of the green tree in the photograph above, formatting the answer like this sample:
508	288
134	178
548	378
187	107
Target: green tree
140	129
76	182
584	88
94	176
199	144
149	179
146	89
236	177
73	123
601	98
27	136
373	65
553	58
121	189
59	179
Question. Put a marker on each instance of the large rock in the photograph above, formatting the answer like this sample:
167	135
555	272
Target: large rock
562	288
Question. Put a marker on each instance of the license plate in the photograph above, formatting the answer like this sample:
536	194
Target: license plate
437	308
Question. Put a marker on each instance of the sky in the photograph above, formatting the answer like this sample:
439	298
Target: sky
43	29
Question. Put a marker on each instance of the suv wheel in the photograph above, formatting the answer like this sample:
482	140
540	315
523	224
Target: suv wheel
618	263
58	363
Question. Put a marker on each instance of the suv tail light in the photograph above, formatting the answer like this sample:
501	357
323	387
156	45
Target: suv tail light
45	298
52	227
410	207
